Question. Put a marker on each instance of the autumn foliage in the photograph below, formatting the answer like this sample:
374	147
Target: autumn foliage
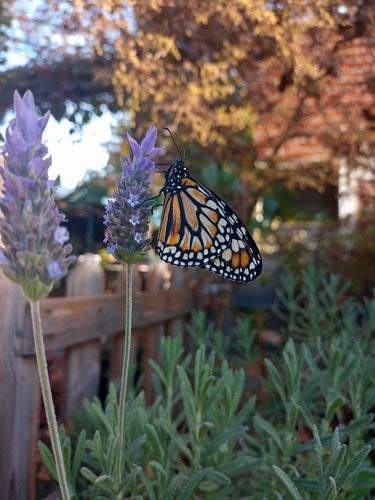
216	71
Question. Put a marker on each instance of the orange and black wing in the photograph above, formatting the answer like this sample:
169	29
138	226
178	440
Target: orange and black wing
199	229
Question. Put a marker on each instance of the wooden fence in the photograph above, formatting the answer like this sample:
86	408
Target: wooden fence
77	324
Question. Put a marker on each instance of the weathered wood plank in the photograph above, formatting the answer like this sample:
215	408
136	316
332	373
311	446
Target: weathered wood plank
149	340
19	400
69	321
82	362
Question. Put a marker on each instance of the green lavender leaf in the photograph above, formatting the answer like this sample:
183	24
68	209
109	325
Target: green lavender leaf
288	483
48	459
223	438
200	476
78	455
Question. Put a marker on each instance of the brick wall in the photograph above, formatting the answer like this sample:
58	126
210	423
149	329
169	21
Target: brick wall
326	123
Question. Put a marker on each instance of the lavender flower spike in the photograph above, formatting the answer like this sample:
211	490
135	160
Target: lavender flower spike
35	254
127	216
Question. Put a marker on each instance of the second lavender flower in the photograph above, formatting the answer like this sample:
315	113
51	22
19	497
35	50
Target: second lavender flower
127	215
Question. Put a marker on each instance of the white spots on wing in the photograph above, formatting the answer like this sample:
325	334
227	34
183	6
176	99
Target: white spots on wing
235	246
227	254
211	204
195	243
222	224
207	240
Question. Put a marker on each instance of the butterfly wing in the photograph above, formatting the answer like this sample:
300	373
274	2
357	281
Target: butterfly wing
238	256
199	229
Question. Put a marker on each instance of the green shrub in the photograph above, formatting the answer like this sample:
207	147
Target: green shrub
308	435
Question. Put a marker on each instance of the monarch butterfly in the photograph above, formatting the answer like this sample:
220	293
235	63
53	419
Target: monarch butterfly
199	229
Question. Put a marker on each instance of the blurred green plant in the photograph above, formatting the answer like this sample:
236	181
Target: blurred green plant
310	392
313	432
308	435
189	443
240	346
72	461
333	469
345	249
316	304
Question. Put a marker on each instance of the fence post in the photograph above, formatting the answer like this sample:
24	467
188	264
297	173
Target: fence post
19	400
82	362
149	339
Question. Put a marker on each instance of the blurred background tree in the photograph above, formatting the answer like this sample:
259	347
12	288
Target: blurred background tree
211	71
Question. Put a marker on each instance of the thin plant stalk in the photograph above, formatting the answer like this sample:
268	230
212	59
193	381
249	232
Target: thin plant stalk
125	365
47	398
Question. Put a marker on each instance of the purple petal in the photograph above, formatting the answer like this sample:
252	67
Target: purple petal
7	198
55	269
40	165
17	184
61	235
23	106
148	142
111	248
138	237
28	100
16	144
134	219
154	152
3	259
25	110
144	163
27	120
126	167
136	148
133	199
39	127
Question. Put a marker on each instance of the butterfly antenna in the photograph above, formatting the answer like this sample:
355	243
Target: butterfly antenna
174	142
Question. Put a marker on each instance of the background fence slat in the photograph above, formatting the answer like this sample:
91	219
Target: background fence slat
82	362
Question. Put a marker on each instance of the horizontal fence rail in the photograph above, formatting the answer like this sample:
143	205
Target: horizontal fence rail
100	316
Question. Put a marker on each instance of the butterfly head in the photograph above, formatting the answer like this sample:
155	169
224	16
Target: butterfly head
178	170
173	176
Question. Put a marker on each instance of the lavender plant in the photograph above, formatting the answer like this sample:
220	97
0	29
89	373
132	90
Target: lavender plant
35	251
187	444
127	221
314	433
127	216
310	439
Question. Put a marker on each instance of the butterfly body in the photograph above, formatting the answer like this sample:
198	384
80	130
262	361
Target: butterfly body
198	229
